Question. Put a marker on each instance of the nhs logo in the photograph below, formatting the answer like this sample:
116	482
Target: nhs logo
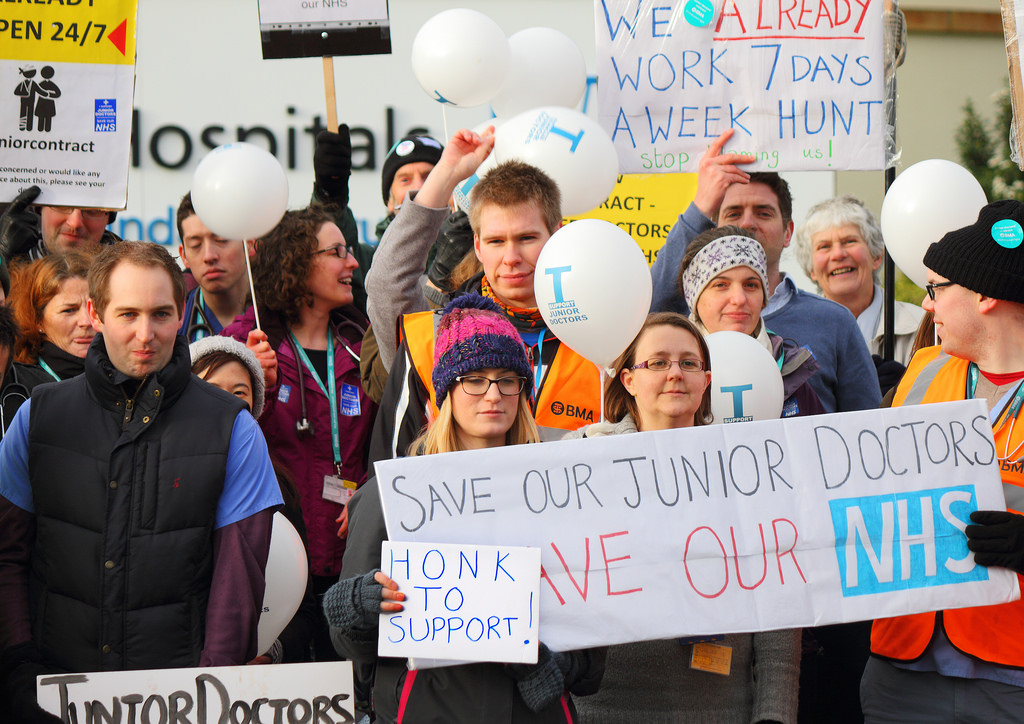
905	540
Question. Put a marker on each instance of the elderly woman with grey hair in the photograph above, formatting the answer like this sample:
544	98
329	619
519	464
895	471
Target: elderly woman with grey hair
840	247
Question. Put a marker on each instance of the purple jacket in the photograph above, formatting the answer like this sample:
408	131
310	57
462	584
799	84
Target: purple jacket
310	458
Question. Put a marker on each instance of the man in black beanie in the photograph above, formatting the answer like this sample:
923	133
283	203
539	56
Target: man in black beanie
942	666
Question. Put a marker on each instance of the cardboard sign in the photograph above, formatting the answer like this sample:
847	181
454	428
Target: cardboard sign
463	602
311	28
726	528
67	76
646	206
319	693
800	82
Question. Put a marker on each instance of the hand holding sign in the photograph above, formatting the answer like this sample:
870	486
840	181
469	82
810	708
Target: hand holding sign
716	173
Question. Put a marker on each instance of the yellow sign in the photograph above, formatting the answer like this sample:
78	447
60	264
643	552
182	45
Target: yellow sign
77	31
646	206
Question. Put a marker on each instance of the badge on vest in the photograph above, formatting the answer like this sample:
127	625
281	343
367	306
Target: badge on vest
284	393
349	400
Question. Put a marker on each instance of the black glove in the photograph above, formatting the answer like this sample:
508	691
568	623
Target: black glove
998	539
21	665
889	372
332	166
541	684
19	224
354	603
453	243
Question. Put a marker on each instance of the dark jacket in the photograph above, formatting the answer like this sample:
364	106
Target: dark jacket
309	458
150	470
797	368
22	378
452	694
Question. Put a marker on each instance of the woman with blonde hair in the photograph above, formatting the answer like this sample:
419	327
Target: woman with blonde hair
483	383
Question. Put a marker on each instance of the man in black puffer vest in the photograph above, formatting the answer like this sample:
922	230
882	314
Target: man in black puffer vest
135	501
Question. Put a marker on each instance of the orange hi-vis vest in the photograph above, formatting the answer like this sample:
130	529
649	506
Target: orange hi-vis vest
569	395
991	633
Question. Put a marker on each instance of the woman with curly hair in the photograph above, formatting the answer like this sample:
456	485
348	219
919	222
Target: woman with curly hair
317	419
48	299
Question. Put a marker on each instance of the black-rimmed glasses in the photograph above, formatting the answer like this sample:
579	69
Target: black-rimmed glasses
340	251
930	288
477	385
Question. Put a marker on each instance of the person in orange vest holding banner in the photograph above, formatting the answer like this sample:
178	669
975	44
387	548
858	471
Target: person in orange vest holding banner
967	664
513	211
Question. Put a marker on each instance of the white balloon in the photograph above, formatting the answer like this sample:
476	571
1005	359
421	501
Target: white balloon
459	57
746	383
593	288
545	68
239	191
570	147
925	202
287	568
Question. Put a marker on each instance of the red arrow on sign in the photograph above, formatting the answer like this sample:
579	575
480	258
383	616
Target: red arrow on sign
117	35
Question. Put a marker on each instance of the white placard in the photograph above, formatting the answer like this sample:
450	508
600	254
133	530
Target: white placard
800	82
284	693
67	78
726	528
463	602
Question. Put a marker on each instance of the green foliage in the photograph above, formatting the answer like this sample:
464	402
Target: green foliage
906	290
985	149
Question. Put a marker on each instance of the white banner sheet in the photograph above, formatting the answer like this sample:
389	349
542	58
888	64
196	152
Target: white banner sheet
801	82
726	528
320	693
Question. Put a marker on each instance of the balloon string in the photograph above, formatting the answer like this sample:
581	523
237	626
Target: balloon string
252	288
603	378
444	121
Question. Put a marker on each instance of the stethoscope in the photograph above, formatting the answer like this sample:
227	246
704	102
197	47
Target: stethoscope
199	323
15	389
303	427
1007	411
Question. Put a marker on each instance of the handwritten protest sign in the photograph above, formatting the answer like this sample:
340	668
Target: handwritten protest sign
725	528
468	603
1013	20
67	75
800	81
310	28
319	693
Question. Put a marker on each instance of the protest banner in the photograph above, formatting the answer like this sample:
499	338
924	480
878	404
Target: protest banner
311	28
318	693
801	82
646	206
463	602
1012	12
67	71
726	528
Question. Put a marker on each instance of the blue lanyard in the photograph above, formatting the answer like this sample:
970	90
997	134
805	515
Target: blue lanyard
538	368
200	317
47	367
1010	410
330	390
